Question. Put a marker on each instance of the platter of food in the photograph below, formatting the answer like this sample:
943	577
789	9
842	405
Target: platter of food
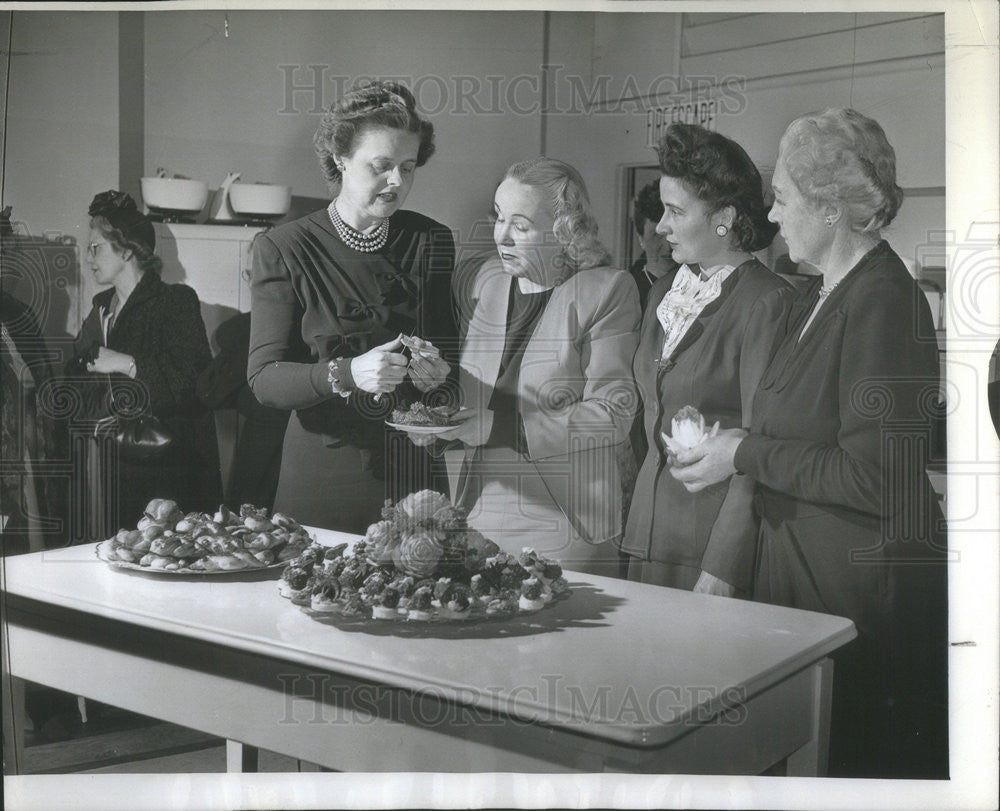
170	542
421	563
423	419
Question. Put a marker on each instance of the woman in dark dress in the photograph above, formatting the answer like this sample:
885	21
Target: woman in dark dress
145	341
838	445
332	293
708	332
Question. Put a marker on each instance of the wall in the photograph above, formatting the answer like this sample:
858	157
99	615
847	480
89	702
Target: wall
890	68
216	103
62	126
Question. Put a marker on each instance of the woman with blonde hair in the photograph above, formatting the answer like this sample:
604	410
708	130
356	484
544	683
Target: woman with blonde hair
548	331
838	444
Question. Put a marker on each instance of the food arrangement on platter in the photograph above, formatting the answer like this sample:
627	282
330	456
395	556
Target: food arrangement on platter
167	540
689	431
420	418
421	563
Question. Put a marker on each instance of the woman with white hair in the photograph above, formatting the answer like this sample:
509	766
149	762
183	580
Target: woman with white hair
548	331
838	445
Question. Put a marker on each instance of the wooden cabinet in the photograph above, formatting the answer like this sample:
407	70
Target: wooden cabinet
215	260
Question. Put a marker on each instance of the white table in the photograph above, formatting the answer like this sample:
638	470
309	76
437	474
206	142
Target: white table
620	677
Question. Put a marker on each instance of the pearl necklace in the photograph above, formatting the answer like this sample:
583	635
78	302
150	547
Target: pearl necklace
353	238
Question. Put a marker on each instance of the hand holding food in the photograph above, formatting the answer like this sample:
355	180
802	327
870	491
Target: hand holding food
473	430
427	370
380	369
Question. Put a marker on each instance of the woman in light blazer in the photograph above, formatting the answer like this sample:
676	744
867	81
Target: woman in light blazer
548	331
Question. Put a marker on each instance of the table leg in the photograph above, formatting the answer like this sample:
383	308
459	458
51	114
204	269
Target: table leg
240	757
811	759
14	718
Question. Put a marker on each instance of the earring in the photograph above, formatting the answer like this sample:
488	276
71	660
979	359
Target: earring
829	221
721	229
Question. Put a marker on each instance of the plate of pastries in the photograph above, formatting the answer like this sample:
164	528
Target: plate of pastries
421	563
168	541
423	419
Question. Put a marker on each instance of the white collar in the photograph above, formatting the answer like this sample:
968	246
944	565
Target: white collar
526	285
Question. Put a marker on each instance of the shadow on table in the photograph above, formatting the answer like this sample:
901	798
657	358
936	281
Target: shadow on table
272	572
585	607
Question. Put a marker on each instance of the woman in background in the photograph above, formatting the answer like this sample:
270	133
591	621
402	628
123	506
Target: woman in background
653	263
332	293
144	341
838	443
548	333
708	333
655	260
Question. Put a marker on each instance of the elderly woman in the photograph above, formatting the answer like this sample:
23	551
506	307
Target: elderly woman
708	332
144	341
837	443
332	294
548	333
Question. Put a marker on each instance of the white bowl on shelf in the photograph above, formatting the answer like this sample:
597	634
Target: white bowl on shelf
174	194
260	199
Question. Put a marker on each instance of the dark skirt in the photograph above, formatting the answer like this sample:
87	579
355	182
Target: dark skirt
889	713
187	473
344	487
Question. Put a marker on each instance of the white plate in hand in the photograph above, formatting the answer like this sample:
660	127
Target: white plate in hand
457	419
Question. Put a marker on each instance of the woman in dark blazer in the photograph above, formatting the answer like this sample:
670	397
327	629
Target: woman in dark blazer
708	332
144	340
838	443
332	293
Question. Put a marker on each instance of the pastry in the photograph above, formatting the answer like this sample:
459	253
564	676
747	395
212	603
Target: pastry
421	562
198	542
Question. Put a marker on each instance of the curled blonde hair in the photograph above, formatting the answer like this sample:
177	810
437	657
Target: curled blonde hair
842	157
575	226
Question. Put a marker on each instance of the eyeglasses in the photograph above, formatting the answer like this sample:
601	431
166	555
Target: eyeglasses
93	248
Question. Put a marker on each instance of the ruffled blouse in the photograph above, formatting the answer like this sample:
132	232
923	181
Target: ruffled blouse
680	307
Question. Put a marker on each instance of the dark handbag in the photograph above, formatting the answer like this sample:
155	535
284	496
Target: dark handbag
139	439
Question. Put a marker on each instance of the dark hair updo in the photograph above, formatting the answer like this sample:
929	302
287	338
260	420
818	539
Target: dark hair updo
117	217
719	172
378	104
647	206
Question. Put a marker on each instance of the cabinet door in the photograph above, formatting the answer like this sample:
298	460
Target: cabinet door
215	261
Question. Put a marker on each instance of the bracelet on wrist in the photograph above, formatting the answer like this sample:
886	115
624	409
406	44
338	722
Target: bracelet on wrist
333	378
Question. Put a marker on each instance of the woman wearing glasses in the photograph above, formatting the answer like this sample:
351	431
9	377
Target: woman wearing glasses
144	341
